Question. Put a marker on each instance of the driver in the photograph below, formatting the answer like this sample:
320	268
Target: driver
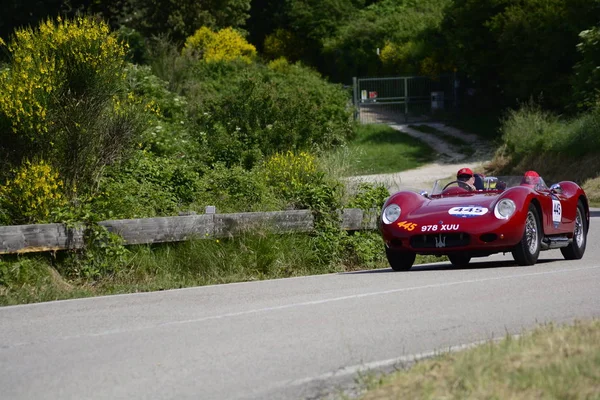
466	175
531	179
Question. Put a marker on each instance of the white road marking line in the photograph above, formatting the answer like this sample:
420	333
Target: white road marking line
301	304
362	295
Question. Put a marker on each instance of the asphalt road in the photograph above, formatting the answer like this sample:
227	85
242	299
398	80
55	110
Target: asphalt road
282	339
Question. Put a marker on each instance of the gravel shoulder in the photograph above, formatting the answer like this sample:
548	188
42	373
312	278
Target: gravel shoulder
450	159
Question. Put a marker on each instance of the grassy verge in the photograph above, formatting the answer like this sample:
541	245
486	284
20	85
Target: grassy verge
38	278
379	149
552	362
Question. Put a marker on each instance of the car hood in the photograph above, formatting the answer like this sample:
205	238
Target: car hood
451	206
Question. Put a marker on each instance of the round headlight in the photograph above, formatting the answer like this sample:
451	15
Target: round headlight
505	208
391	213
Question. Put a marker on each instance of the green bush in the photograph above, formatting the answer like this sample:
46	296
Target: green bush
102	257
530	130
146	186
168	126
369	196
363	250
235	189
246	113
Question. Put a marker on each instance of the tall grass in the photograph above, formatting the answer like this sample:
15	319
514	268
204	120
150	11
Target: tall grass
558	148
531	130
250	257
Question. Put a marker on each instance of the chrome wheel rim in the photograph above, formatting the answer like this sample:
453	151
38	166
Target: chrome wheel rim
578	234
531	233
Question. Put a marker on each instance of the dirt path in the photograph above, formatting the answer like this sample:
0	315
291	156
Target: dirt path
450	158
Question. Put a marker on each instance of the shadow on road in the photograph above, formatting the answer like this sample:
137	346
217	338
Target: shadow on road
447	266
594	214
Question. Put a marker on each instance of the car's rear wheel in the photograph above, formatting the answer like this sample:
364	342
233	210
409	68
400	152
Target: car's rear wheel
575	250
459	259
400	260
527	251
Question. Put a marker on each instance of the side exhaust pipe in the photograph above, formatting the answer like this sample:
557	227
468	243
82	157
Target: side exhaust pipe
555	242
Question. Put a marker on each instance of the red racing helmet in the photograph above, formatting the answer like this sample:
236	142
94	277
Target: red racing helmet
464	171
531	178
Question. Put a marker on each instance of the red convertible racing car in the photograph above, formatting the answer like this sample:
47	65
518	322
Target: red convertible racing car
505	214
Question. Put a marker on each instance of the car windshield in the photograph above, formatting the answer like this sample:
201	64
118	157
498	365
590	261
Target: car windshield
491	183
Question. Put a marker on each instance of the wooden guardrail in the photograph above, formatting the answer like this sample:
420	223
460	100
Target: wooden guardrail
53	237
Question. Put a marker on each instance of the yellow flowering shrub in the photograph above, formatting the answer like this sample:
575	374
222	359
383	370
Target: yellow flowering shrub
33	192
66	55
280	65
403	57
224	45
289	173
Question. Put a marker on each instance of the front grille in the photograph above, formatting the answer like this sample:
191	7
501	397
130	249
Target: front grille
440	240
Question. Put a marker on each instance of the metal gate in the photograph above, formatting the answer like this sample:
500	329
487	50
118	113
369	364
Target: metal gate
402	99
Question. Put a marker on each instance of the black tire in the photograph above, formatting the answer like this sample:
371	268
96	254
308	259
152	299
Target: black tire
400	260
575	250
459	259
527	251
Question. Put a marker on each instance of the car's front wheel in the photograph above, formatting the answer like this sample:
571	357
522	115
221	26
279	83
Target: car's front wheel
575	250
400	260
459	259
527	251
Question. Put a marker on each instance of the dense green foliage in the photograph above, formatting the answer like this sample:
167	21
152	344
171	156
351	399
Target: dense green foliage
508	50
250	112
178	19
90	136
586	81
399	29
171	106
515	50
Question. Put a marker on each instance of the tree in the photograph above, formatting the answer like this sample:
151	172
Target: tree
27	13
586	81
518	49
181	18
352	49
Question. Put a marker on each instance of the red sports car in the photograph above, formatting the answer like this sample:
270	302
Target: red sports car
506	214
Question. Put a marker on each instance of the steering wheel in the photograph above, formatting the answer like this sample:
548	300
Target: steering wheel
460	184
